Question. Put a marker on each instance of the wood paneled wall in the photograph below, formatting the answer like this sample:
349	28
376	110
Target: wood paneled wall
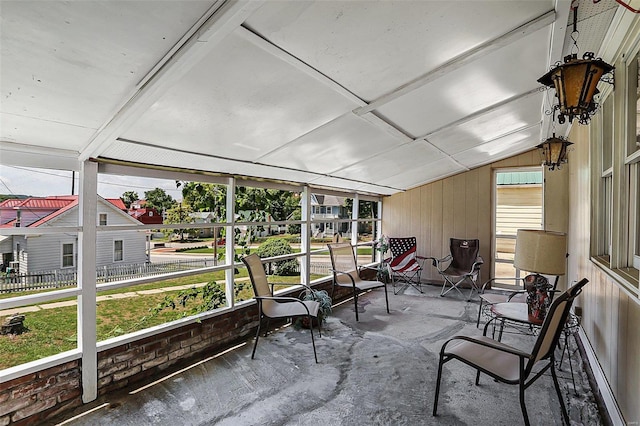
611	317
459	206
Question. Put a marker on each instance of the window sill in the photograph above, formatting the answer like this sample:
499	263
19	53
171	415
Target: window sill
627	278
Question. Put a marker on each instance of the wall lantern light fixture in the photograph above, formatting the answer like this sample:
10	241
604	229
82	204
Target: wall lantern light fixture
575	82
554	152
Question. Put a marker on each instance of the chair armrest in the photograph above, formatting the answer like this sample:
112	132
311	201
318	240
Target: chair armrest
283	300
436	262
489	344
335	271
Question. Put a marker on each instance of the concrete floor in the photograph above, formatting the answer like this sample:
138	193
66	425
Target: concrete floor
379	371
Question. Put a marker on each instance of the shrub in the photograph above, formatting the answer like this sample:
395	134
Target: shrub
277	247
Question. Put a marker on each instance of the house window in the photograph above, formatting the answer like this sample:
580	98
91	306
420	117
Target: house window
616	159
118	251
103	219
151	214
67	255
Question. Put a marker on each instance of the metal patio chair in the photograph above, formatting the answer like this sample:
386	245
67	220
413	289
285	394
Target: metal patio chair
510	365
270	306
346	273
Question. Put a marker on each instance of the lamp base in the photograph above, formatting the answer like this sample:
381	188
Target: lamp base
538	300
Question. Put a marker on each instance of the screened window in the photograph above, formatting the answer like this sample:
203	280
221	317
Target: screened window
67	255
118	254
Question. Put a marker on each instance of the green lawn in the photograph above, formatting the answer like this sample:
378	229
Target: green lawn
52	331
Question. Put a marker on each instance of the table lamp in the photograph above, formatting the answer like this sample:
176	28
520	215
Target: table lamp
540	252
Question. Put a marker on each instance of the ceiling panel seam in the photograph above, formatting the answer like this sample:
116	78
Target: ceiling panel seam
465	58
484	111
235	160
221	23
445	154
251	36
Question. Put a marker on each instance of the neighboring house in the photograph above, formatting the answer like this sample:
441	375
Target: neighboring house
204	217
146	215
30	253
328	207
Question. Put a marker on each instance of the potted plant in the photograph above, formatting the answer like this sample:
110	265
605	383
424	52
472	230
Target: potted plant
320	296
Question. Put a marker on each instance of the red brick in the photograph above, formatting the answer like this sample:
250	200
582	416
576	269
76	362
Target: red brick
154	362
126	373
203	344
32	409
69	383
32	388
141	359
19	381
180	337
112	369
58	369
179	353
4	420
125	356
103	362
104	381
188	342
152	347
16	404
67	376
69	394
62	408
4	396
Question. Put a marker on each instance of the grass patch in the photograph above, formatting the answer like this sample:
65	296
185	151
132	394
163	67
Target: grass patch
52	331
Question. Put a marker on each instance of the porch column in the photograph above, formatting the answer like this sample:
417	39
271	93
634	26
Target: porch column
230	240
354	217
305	236
87	220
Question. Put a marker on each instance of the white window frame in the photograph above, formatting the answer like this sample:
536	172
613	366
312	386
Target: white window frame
116	251
62	255
102	222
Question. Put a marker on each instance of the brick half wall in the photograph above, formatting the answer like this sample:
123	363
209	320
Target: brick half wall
36	397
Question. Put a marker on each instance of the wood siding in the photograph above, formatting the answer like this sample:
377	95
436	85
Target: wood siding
459	206
611	317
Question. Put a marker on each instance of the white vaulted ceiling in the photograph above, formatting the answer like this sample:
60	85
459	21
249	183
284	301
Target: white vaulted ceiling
371	96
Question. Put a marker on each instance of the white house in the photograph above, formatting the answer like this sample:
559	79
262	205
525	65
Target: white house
31	253
329	207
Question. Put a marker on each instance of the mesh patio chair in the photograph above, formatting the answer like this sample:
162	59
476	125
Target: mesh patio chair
404	265
462	266
346	273
270	306
510	365
488	299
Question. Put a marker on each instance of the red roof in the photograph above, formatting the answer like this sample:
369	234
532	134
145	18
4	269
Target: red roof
59	203
118	203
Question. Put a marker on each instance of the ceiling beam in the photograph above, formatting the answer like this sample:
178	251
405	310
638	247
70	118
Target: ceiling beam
18	154
463	59
219	21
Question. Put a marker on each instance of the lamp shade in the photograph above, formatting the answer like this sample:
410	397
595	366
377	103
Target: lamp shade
543	252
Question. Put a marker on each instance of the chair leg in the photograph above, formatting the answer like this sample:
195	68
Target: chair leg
255	344
435	400
386	297
478	378
479	313
266	330
565	415
355	303
313	342
523	407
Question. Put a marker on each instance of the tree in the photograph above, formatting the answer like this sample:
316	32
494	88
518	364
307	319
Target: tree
180	213
129	197
278	202
159	199
205	197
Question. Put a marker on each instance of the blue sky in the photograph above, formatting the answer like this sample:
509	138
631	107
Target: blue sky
43	182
